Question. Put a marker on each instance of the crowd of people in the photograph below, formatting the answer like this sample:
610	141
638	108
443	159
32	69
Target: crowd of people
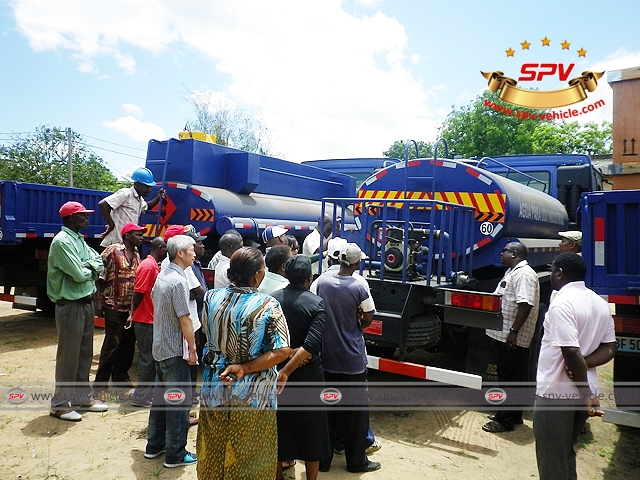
278	321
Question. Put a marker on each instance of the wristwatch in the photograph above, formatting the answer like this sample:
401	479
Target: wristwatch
511	330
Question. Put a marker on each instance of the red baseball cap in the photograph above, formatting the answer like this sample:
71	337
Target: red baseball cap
174	230
131	227
71	208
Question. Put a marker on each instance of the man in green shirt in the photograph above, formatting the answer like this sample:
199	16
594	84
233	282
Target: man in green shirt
72	269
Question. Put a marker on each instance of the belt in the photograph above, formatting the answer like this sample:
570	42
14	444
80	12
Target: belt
87	299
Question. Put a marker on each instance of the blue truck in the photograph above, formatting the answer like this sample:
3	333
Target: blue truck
610	230
433	230
29	219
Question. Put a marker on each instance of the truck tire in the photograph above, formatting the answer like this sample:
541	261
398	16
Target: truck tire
626	371
44	303
424	331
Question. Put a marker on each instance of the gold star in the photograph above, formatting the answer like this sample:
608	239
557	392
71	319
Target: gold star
546	41
565	45
582	52
510	52
525	45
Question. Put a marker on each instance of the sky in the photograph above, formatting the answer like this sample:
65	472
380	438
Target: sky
328	78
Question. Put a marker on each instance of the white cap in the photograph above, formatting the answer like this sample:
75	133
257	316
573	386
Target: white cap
573	236
351	254
335	246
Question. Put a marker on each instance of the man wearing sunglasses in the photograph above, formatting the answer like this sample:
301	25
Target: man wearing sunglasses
520	292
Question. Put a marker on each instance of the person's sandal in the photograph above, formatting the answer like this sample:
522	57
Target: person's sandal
496	427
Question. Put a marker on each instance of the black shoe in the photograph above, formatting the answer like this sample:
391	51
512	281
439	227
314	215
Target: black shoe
324	467
368	466
517	422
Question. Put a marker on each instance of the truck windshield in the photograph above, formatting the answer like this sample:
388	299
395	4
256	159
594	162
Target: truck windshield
543	176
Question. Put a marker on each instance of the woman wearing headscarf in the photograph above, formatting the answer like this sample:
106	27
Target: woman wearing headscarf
247	337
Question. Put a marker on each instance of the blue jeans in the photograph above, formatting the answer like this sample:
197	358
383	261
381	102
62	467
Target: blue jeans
169	418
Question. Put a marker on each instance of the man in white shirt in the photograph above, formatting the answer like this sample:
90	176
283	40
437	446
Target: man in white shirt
127	204
311	245
228	243
579	335
274	278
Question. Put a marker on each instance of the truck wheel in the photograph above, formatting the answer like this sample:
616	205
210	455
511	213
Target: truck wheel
44	303
625	370
424	331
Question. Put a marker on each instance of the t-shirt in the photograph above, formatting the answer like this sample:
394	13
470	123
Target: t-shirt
343	349
311	246
577	317
145	279
127	206
220	279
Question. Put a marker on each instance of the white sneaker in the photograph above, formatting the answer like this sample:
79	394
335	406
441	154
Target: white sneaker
67	415
374	447
94	406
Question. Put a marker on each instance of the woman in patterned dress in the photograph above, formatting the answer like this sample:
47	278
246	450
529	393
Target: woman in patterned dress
247	337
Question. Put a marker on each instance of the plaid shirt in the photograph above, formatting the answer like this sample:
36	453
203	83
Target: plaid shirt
118	277
519	285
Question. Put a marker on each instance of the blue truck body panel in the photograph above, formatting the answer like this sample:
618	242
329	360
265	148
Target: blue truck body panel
29	210
215	188
610	233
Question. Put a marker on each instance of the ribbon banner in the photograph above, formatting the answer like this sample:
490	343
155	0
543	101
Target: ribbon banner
576	92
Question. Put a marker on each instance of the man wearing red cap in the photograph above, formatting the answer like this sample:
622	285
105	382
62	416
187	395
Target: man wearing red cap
117	281
72	268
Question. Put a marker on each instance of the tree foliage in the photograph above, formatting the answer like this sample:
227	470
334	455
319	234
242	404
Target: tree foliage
482	129
42	158
232	126
397	150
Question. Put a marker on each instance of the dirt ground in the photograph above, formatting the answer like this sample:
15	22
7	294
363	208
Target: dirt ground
424	444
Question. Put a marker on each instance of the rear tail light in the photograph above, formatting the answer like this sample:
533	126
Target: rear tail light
476	301
627	324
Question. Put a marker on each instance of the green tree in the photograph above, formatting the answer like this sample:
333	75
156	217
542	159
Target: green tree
42	158
231	126
482	128
397	150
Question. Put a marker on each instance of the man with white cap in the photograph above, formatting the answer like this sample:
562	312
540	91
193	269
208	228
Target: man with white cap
274	235
334	248
571	242
72	269
344	358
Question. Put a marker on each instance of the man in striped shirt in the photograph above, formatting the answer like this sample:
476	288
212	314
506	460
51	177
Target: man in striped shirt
169	416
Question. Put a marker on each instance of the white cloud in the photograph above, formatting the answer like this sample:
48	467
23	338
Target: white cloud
325	82
135	129
132	109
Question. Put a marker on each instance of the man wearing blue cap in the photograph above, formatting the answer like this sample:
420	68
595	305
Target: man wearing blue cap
127	204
